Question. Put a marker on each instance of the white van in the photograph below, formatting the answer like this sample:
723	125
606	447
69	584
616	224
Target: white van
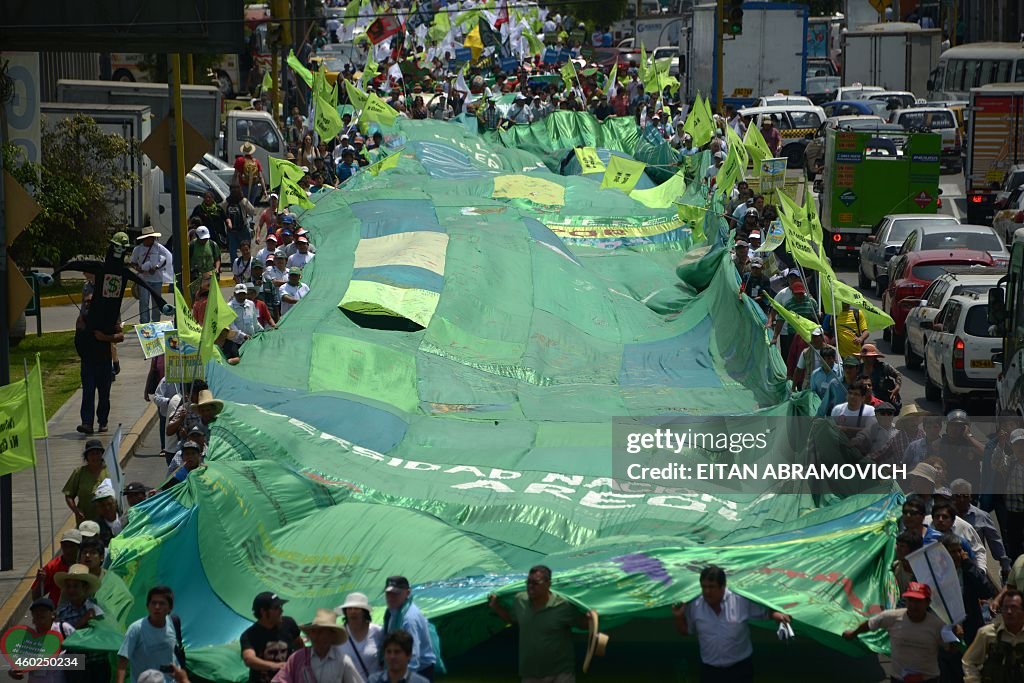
974	65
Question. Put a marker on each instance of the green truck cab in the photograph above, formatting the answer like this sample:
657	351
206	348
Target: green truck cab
870	173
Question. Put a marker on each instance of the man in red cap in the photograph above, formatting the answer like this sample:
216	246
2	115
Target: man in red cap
916	636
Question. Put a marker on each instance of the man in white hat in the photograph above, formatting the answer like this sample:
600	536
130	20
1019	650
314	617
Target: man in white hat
810	358
109	522
302	254
520	111
155	265
203	254
323	661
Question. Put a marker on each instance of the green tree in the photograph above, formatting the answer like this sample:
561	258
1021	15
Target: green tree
82	168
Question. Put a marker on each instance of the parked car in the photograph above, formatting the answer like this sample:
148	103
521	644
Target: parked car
958	358
814	152
956	281
1012	182
911	273
927	236
939	120
1010	219
219	167
795	123
885	241
856	108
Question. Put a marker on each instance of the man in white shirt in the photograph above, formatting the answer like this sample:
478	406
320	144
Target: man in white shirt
268	250
520	111
278	272
152	261
292	291
246	323
856	414
302	255
719	620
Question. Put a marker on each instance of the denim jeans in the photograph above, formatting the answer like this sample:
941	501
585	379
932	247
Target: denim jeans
96	378
149	306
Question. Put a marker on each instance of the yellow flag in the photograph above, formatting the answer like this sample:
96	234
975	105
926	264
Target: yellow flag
390	161
568	72
662	196
699	125
874	317
291	193
36	404
694	217
189	331
219	316
800	247
756	145
622	174
802	325
299	69
473	41
794	212
589	160
268	82
356	96
736	143
377	110
19	447
730	173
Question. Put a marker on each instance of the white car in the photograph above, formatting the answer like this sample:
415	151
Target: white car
956	281
781	100
855	92
959	353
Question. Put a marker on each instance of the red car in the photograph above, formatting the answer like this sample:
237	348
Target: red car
911	275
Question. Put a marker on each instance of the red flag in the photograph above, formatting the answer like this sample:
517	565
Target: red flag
502	14
383	28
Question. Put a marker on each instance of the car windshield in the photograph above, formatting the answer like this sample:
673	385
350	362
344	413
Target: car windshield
972	289
894	101
980	241
804	119
900	229
976	324
816	86
927	119
1015	180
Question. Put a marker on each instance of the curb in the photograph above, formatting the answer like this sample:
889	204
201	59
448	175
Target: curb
76	298
15	607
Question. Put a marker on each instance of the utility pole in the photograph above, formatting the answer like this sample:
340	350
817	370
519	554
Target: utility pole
6	490
719	54
178	210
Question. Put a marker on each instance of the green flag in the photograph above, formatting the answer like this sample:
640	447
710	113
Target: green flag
390	161
219	317
734	142
297	67
794	212
17	447
371	69
812	220
589	161
664	195
730	173
622	174
612	85
800	247
282	168
268	82
642	66
441	26
291	193
698	124
874	317
35	401
356	96
568	72
327	123
694	217
189	331
802	325
376	110
756	145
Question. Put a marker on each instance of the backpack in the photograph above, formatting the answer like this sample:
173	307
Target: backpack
179	648
239	220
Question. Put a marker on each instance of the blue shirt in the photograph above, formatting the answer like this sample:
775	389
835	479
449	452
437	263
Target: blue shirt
346	171
820	379
416	624
410	677
147	647
933	534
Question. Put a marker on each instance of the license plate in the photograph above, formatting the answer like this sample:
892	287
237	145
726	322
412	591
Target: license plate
982	364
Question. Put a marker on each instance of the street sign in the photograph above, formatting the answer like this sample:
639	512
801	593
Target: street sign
923	199
848	197
158	145
20	209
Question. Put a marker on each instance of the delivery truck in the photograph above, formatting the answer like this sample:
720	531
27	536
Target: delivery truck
995	142
895	56
870	174
769	57
131	122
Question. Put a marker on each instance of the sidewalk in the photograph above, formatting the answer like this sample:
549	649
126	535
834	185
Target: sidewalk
65	445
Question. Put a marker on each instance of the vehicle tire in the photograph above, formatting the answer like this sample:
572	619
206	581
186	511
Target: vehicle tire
123	75
862	281
912	360
224	84
949	399
931	392
897	342
881	282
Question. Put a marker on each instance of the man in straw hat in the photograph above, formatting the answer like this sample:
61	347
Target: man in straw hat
719	618
249	173
77	585
323	661
905	431
545	621
155	265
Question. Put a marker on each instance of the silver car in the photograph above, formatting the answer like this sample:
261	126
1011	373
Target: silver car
885	240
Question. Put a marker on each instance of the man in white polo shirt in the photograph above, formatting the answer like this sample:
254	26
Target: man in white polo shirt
719	619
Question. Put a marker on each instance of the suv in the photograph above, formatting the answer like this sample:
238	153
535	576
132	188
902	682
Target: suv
959	353
911	275
1011	183
885	241
957	281
938	120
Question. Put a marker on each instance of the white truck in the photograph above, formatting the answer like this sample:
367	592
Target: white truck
769	57
896	56
131	122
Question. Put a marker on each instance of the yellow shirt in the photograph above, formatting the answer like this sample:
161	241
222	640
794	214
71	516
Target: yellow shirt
974	658
851	324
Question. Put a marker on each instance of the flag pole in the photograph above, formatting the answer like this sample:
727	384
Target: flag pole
46	447
35	467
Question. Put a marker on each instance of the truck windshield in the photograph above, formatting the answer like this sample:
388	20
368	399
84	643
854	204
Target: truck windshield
976	323
979	241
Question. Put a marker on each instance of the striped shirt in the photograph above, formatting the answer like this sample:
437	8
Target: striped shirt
806	307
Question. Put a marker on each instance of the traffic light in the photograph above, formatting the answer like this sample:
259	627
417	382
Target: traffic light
733	20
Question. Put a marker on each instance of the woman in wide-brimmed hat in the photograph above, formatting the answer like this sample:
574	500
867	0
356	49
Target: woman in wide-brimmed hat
322	662
364	637
885	379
